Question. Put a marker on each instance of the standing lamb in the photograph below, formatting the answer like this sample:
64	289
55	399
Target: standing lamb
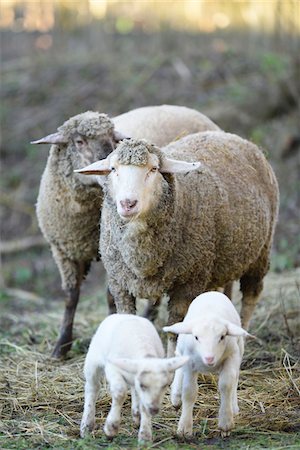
128	351
68	205
170	225
212	337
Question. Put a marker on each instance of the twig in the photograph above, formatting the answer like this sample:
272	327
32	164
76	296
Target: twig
23	295
19	245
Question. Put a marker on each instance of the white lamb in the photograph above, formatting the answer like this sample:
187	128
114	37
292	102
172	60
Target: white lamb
211	335
127	349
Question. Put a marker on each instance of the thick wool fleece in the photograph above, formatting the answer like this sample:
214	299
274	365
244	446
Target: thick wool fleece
69	211
162	124
210	226
89	124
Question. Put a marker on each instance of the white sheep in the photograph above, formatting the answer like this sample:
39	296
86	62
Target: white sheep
212	337
128	351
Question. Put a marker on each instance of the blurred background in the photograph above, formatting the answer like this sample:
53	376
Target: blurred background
236	61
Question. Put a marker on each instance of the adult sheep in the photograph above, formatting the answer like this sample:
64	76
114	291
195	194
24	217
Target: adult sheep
170	225
68	205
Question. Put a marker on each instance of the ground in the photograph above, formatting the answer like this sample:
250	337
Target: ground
250	85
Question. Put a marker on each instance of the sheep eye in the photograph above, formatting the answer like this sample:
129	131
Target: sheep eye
196	337
79	141
222	337
154	169
113	169
143	387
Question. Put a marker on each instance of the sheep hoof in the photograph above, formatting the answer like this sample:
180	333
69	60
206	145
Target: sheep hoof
86	429
225	434
144	437
111	429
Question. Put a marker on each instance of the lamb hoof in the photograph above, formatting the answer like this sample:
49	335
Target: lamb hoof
86	429
144	437
184	432
225	434
111	429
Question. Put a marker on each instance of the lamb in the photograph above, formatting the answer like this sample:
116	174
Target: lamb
212	337
68	205
173	226
128	350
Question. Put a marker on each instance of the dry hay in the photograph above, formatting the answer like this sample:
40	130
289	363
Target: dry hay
41	399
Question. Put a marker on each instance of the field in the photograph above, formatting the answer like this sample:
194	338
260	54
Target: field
249	83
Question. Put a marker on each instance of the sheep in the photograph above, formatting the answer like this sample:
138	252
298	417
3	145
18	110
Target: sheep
128	351
68	205
173	226
212	336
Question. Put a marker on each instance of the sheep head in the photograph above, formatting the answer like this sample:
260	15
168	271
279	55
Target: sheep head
209	337
136	176
84	139
152	376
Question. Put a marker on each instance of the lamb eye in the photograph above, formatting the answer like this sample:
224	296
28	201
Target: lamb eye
154	169
113	169
196	337
222	337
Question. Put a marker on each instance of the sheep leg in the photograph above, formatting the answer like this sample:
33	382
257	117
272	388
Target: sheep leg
92	386
251	285
227	387
135	407
110	302
64	342
125	302
145	431
228	289
179	300
176	389
118	390
151	310
189	395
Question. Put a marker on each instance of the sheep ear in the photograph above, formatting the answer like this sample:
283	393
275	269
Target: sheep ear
235	330
118	136
55	138
129	365
179	328
175	166
97	168
176	362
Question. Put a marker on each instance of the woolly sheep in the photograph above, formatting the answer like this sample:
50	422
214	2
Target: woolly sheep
128	351
212	337
181	228
68	205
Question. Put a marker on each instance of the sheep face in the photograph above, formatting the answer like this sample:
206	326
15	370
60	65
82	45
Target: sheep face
152	376
136	181
83	151
210	338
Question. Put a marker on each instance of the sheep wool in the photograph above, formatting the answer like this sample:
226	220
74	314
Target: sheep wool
209	226
68	205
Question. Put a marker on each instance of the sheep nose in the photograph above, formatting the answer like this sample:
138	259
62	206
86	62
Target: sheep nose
209	360
153	410
128	204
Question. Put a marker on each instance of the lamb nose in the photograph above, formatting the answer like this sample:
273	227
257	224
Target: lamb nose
209	359
128	204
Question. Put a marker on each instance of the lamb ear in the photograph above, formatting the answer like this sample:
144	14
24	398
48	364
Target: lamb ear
55	138
97	168
118	136
176	362
235	330
129	365
176	166
179	328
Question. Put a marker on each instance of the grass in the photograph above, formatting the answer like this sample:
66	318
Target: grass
42	399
